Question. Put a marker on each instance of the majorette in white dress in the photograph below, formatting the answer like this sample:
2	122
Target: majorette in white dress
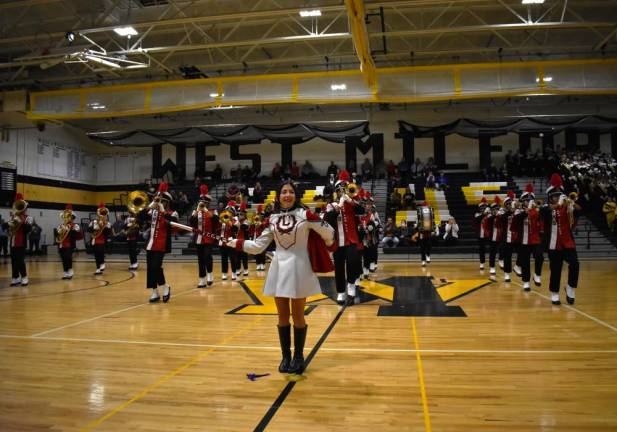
290	274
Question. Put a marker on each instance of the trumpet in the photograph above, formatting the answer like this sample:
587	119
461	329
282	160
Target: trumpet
352	190
226	216
573	196
202	206
67	218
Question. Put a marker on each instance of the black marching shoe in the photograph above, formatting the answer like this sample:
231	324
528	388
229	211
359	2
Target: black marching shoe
167	297
155	299
297	364
285	340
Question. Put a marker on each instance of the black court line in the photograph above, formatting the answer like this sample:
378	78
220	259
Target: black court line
289	387
106	284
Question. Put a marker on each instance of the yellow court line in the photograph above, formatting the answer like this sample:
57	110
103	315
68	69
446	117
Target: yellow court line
427	418
170	375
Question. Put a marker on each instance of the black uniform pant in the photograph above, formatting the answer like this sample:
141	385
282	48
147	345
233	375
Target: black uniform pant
243	260
347	266
524	260
18	261
4	246
260	258
556	258
369	255
204	259
506	256
492	254
229	255
67	258
482	245
99	254
154	263
133	252
425	248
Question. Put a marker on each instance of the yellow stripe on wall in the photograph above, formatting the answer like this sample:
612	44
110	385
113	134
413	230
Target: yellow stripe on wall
53	194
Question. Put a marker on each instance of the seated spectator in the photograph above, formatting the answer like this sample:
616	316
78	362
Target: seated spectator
217	173
442	182
451	232
246	174
258	194
391	168
332	169
294	171
381	171
308	171
405	233
390	237
277	171
409	199
403	169
367	169
430	181
395	200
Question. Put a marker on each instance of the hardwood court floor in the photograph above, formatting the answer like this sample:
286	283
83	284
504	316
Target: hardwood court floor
92	354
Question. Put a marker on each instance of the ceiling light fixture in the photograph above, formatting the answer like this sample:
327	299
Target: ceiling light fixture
533	2
310	13
126	31
338	87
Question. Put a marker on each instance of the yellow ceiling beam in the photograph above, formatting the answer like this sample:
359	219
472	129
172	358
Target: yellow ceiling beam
356	15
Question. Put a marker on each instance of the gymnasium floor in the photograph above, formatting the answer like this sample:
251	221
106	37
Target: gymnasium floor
92	354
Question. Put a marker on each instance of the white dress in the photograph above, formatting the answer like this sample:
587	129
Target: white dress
290	274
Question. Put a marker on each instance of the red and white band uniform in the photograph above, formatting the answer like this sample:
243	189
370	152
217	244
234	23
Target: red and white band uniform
483	220
343	216
131	227
243	234
206	228
229	231
159	243
255	230
530	226
18	242
101	231
67	246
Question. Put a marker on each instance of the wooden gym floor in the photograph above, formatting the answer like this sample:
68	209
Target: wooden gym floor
92	354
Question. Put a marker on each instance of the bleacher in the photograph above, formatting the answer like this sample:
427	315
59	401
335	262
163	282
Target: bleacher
459	200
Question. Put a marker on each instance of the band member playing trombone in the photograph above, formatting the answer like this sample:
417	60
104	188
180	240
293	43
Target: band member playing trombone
100	228
342	214
229	230
67	233
530	228
160	216
484	223
559	217
205	225
19	225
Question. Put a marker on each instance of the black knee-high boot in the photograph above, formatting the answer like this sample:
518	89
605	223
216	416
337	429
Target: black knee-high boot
297	364
285	340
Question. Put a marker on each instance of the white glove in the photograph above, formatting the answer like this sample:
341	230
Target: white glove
562	198
343	200
95	226
29	220
231	243
370	228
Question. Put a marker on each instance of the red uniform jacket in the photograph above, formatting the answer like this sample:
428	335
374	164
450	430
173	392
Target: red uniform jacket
102	238
207	226
499	227
530	226
69	240
560	233
345	224
160	230
19	239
